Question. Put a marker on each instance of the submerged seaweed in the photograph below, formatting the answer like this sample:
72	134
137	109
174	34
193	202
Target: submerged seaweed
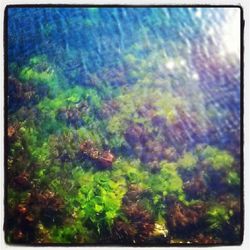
121	129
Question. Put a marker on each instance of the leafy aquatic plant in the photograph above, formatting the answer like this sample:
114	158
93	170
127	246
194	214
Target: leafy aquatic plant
218	216
184	218
219	159
222	162
39	71
233	178
166	182
188	161
131	170
74	232
98	199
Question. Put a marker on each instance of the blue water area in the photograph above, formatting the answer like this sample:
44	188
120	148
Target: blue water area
123	125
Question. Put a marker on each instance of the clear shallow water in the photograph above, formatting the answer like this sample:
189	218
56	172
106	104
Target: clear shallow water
123	126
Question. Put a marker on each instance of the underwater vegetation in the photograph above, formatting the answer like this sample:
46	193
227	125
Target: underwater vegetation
122	137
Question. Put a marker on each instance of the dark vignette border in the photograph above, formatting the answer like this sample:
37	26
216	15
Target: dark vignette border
242	25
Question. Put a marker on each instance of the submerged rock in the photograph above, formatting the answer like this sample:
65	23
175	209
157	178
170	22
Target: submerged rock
102	159
106	159
11	131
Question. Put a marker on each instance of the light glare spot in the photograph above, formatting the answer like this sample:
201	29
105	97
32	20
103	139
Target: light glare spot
198	13
195	76
170	65
231	33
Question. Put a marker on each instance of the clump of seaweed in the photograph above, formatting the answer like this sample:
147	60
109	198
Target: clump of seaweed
182	218
138	228
108	109
73	115
22	181
51	207
24	94
218	159
40	72
138	223
196	187
205	239
223	218
44	207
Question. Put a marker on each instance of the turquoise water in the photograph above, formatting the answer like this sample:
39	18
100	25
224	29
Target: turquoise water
123	126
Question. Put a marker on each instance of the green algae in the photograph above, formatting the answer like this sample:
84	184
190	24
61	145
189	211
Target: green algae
167	180
233	178
218	215
188	161
219	159
39	71
98	198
